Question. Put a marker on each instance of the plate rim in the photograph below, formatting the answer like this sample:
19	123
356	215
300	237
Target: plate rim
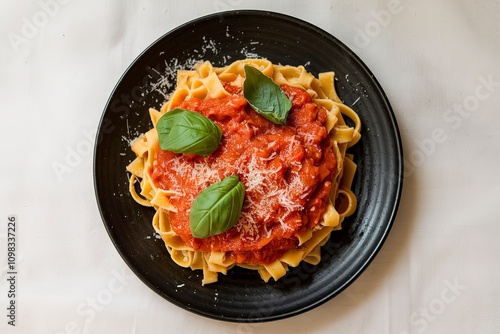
398	148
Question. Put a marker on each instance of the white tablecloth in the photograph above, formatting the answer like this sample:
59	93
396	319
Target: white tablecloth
438	62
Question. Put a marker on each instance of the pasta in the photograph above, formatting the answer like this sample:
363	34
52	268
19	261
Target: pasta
297	177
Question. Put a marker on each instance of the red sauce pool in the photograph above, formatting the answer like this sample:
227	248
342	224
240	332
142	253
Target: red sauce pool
286	171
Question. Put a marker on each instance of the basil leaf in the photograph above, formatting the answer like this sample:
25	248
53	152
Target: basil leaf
217	208
184	131
265	96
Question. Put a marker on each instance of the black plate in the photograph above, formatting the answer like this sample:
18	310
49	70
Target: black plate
221	39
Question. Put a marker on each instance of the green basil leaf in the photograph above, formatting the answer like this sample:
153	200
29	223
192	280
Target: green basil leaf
265	96
184	131
217	208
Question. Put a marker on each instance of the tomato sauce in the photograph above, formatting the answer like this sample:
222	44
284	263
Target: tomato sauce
286	170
